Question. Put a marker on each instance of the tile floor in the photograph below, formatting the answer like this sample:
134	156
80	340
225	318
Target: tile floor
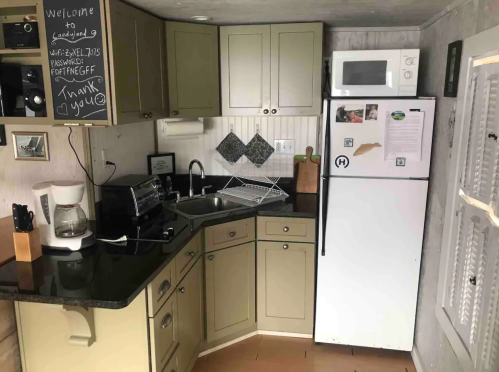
283	354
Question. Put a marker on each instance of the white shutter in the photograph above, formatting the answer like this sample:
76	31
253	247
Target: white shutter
485	131
468	294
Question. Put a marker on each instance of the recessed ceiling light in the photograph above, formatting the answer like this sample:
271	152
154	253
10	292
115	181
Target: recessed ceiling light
201	18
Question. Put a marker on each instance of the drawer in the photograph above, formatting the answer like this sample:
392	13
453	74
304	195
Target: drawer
188	256
229	234
161	288
172	365
286	229
164	334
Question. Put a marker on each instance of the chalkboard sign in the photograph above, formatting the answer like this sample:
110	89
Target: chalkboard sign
76	58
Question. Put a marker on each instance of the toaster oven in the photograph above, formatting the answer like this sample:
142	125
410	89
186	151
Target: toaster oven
132	195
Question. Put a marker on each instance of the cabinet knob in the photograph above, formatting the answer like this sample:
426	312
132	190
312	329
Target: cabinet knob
274	111
232	234
285	229
181	290
266	111
211	257
167	320
164	287
150	115
192	253
145	115
285	246
174	113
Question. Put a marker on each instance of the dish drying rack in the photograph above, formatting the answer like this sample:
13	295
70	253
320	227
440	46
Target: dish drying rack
268	174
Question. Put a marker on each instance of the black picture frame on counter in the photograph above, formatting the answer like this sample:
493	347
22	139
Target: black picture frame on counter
161	164
452	70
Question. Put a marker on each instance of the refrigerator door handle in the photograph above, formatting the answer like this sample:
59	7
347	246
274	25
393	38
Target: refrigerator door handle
325	177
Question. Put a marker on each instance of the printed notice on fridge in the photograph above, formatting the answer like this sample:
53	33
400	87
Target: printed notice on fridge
404	135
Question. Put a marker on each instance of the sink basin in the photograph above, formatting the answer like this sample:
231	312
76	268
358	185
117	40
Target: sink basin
199	207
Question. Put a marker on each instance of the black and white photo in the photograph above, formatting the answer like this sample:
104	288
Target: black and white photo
30	145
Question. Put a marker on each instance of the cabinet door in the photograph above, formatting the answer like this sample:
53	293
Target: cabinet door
296	60
189	316
245	69
286	287
192	53
152	67
137	60
230	290
123	60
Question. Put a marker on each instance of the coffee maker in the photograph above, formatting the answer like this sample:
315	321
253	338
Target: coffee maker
62	222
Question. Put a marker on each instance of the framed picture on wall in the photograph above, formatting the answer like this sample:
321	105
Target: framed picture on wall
30	145
161	164
453	66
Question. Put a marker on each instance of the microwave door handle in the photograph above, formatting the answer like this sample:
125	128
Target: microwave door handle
325	176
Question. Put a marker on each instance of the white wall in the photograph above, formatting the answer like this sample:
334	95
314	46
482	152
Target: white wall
17	177
302	129
127	146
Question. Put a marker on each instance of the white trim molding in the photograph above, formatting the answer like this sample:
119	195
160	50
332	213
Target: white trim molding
416	358
242	338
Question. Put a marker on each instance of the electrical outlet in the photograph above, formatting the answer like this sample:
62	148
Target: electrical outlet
104	159
284	146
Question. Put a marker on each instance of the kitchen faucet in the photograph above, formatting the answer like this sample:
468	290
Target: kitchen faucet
195	161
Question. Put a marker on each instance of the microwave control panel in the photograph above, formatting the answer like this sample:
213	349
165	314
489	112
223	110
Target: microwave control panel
409	65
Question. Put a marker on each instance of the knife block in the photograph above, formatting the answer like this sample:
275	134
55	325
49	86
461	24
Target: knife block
27	245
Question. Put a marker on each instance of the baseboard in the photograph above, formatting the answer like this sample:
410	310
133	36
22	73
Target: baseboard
416	358
285	334
242	338
232	342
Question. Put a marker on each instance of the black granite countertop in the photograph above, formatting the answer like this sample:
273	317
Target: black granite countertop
107	276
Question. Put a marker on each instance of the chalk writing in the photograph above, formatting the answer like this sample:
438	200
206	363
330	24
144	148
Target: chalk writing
76	58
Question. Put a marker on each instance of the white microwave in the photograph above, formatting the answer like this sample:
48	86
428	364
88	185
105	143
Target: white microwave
375	73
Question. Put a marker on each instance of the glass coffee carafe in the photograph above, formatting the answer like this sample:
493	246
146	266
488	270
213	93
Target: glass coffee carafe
69	221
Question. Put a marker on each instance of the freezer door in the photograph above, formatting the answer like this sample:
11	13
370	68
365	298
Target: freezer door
356	123
367	281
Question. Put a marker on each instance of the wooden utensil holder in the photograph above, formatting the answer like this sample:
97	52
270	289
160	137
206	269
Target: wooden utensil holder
27	245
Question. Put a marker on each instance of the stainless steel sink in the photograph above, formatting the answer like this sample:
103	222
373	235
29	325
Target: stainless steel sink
203	206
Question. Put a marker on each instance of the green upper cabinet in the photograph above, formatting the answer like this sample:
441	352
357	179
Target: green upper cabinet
193	78
137	64
296	60
271	69
245	67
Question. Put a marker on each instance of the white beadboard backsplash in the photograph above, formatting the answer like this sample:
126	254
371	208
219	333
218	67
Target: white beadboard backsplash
304	130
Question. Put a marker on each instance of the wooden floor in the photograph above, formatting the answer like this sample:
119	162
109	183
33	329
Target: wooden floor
276	354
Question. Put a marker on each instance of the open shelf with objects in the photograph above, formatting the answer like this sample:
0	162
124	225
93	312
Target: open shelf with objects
13	11
266	176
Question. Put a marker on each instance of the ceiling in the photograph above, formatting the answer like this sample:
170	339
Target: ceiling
336	13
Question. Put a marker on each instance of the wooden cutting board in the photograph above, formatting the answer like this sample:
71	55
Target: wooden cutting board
307	173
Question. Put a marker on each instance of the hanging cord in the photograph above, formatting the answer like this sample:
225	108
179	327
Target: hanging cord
327	85
81	165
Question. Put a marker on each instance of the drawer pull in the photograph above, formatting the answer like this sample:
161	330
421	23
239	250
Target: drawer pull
167	320
211	257
164	287
285	246
181	290
285	229
232	234
192	253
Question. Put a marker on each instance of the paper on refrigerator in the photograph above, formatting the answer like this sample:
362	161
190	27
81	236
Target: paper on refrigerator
404	135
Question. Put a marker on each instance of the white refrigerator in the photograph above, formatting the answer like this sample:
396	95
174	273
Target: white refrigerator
375	169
